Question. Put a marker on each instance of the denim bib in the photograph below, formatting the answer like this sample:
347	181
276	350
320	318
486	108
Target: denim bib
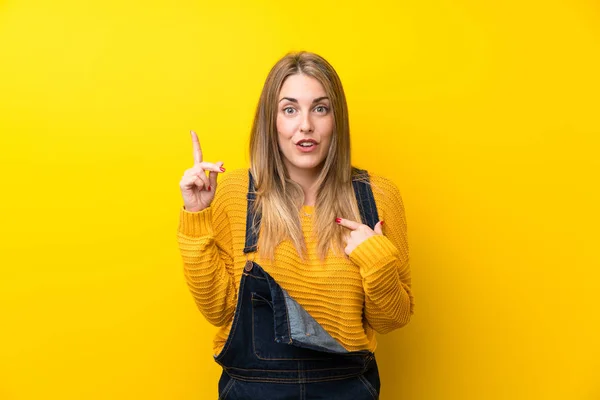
276	349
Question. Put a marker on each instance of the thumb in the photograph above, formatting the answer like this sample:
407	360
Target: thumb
378	229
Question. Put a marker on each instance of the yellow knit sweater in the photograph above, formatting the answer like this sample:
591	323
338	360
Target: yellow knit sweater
351	297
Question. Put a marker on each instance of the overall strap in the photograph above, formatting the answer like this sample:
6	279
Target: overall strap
252	223
364	198
362	191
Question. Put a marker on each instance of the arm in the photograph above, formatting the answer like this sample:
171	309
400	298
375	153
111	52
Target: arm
384	264
205	244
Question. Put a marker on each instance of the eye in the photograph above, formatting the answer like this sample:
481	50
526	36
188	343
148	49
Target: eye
321	109
288	110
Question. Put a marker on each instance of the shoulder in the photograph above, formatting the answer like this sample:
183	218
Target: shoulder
383	186
387	196
233	181
232	187
380	185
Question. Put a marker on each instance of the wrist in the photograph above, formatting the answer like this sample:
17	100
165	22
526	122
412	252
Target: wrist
192	209
196	224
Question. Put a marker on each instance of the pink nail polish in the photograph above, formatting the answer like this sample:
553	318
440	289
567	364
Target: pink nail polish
338	220
381	223
222	169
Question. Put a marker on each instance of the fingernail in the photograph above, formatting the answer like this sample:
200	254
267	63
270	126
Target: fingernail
381	223
209	188
222	169
338	220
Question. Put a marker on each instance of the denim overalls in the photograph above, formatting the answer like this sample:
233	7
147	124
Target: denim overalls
276	350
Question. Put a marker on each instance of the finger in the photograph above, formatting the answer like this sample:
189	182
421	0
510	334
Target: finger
347	237
201	186
346	223
188	182
204	166
195	170
378	228
349	247
216	167
200	180
212	177
197	148
205	183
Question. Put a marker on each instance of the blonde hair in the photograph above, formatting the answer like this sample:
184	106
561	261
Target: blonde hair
279	199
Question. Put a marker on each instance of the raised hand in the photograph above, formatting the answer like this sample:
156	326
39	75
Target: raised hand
358	233
197	189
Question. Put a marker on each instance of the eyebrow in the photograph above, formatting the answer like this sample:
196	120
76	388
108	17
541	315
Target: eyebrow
318	99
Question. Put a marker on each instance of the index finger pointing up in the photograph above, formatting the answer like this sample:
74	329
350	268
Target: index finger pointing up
197	148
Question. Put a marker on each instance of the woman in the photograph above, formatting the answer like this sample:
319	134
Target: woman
291	258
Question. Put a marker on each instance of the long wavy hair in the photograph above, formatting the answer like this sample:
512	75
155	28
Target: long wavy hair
278	198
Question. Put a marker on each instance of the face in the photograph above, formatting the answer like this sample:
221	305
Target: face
304	124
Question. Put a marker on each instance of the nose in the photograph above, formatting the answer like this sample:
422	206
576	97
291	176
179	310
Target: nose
306	124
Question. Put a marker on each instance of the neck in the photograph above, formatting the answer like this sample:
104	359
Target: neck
307	179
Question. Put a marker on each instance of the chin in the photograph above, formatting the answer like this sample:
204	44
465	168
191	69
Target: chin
308	165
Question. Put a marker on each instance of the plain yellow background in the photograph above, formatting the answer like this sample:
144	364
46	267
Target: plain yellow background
486	115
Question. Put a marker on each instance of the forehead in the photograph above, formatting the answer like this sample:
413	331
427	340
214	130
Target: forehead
302	87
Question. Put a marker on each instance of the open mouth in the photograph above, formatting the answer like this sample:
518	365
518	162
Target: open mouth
306	145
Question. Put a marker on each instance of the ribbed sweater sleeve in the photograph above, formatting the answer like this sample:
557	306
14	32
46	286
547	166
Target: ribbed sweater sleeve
205	244
384	263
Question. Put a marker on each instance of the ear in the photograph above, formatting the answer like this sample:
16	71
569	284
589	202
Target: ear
378	229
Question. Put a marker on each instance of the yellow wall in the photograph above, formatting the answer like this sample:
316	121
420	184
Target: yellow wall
486	114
